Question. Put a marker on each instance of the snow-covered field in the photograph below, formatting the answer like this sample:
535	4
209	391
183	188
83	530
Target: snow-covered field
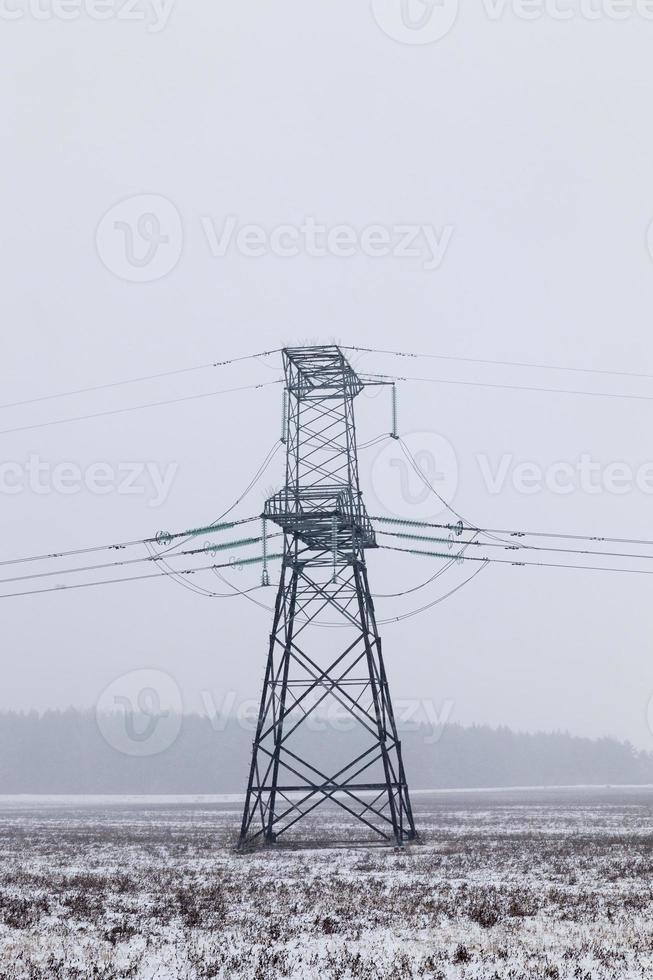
549	884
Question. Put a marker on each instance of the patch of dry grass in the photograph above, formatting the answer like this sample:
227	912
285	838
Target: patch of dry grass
495	891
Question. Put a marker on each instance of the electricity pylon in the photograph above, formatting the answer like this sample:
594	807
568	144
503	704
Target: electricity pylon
311	661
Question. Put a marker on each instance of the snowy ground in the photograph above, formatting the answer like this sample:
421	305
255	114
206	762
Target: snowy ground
553	884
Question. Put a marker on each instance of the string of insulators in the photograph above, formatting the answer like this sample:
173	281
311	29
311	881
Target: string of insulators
284	416
254	561
394	434
265	578
223	546
405	522
165	537
334	546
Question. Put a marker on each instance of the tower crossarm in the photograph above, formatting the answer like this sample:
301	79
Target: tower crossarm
315	514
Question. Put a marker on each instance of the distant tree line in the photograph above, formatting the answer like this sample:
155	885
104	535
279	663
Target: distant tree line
70	752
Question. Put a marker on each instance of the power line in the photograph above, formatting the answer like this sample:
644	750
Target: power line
191	586
515	533
132	578
242	592
411	459
136	408
210	549
485	360
193	532
436	602
551	391
519	547
381	622
506	387
269	456
180	580
180	537
131	381
495	535
374	442
415	588
520	564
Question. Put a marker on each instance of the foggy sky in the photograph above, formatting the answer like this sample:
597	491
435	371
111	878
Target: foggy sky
531	141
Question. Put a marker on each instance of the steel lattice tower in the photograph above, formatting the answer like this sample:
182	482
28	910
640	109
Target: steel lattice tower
323	578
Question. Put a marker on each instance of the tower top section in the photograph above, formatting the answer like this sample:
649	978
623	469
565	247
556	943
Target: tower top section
319	373
321	503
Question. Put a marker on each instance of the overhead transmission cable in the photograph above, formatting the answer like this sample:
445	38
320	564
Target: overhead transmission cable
413	462
519	564
415	588
501	540
75	552
179	579
500	535
498	363
267	460
435	602
137	408
172	572
145	377
508	387
133	578
381	622
192	552
519	547
181	537
519	533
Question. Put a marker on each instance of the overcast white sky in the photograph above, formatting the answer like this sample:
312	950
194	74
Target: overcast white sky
524	147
